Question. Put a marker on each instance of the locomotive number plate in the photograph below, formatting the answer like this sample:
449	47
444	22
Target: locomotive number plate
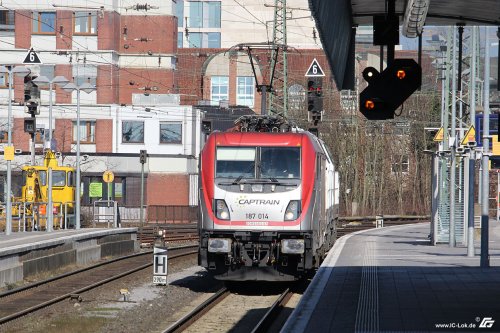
256	216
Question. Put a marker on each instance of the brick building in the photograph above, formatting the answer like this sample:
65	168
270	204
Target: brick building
130	58
150	65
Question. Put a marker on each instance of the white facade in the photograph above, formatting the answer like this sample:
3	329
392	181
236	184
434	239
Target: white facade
251	21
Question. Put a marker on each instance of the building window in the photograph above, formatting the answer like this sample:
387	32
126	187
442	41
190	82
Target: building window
195	14
400	164
204	39
87	131
204	14
7	20
213	39
245	91
220	89
179	40
212	10
40	135
84	73
133	132
195	39
179	12
44	22
85	23
4	131
4	80
170	133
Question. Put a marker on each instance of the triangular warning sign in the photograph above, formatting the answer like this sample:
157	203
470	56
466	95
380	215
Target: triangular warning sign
315	69
439	135
470	136
32	58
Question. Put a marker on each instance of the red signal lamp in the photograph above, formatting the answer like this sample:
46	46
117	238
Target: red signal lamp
400	74
369	104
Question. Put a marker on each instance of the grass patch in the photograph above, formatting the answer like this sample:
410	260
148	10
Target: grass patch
11	285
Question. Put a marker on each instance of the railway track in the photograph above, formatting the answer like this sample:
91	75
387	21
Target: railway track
30	298
188	232
173	233
229	311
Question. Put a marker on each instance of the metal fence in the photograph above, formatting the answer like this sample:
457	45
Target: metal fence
172	214
152	214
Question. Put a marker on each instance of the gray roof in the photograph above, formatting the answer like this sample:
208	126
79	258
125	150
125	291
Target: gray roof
335	20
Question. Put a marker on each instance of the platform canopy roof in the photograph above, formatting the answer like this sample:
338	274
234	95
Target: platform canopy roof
335	20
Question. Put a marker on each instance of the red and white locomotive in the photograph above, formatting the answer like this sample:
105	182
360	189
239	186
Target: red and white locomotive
268	204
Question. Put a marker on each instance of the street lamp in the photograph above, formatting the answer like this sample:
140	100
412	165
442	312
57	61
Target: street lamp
60	81
88	88
21	71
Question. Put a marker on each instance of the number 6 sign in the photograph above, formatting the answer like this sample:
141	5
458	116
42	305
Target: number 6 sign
32	58
315	69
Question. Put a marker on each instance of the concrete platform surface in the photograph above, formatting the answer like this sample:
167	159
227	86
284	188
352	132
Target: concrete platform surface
38	239
393	280
25	254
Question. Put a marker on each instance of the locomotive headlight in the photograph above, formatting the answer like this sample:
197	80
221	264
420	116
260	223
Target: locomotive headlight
219	245
221	210
293	246
292	210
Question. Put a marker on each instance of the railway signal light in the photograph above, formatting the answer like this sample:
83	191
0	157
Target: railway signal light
31	95
30	125
315	94
143	155
386	91
206	126
315	97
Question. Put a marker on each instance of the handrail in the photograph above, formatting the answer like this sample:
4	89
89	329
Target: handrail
113	204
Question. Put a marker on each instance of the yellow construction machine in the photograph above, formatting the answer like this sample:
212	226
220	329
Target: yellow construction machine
29	211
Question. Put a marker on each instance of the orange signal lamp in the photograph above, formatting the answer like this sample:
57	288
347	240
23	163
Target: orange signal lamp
401	74
369	105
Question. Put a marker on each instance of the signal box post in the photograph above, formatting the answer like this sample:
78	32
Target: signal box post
143	156
31	103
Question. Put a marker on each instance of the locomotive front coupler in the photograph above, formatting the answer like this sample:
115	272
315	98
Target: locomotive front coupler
271	259
228	260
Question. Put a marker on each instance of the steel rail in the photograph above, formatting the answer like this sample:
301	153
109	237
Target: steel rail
267	320
197	312
26	311
78	271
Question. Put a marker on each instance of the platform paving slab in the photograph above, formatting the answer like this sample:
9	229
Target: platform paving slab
393	280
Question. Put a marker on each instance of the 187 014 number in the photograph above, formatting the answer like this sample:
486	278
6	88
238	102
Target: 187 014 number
256	216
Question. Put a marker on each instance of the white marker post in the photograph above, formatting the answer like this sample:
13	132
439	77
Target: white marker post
160	266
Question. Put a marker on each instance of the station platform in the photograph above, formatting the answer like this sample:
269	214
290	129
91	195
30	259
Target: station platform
393	280
24	254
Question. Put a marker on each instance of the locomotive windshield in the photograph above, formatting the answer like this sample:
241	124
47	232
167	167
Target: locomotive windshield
258	162
235	162
282	162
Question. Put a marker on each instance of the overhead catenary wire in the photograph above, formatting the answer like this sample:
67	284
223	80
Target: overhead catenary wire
187	75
